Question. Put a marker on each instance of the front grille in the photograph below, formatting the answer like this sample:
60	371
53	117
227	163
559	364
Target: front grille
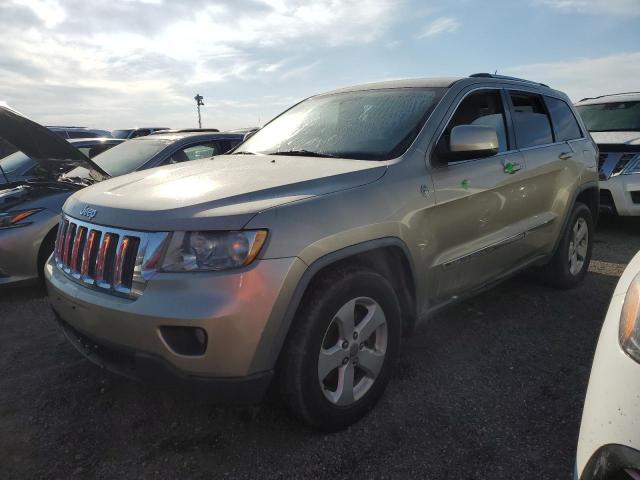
109	259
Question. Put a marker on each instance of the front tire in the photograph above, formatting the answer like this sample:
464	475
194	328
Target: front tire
340	352
570	263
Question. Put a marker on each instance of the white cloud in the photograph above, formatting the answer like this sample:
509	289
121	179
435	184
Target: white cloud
55	65
596	7
585	77
440	25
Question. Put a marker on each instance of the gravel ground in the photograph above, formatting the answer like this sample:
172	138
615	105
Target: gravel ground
491	388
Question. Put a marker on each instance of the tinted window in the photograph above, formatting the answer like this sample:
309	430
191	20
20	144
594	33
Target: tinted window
196	152
129	155
564	123
121	133
611	117
530	120
82	134
142	132
480	108
363	124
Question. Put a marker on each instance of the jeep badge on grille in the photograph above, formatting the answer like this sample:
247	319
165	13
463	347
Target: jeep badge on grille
88	212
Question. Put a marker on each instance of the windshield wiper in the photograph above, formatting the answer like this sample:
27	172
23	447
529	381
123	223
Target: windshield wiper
243	153
303	153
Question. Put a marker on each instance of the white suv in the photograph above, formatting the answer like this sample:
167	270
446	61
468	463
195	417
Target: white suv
614	124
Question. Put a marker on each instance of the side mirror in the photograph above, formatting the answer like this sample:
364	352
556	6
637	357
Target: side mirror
472	141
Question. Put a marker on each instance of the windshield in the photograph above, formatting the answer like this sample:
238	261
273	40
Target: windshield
369	124
611	117
129	155
16	161
121	133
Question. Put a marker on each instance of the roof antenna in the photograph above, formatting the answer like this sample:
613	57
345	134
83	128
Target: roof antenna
496	72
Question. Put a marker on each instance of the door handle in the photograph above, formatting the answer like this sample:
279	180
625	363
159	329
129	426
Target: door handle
511	167
565	155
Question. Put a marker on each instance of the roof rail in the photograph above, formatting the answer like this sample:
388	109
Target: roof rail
610	95
505	77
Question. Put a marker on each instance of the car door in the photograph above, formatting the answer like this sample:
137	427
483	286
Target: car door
478	212
551	169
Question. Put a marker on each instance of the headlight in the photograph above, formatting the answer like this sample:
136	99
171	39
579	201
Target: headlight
633	166
629	333
13	219
202	251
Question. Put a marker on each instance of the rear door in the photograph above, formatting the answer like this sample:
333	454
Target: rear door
479	213
542	134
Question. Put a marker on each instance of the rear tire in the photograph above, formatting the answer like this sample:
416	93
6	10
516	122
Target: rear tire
570	263
341	348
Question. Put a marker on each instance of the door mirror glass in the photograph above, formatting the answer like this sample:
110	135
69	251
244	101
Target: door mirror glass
472	141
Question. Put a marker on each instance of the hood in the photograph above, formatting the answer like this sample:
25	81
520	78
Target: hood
221	193
617	138
50	150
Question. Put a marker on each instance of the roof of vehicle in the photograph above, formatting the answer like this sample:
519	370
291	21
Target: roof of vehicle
84	142
199	135
139	128
611	98
442	82
180	130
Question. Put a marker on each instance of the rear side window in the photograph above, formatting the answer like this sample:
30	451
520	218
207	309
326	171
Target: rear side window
82	134
564	122
530	120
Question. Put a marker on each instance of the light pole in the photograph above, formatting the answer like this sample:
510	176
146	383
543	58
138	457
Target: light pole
198	98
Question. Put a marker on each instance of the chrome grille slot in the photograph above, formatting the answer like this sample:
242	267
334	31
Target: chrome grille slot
105	258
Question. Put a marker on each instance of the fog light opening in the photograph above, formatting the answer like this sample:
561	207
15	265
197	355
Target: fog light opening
189	341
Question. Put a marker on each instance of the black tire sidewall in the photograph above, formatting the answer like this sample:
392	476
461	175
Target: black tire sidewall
313	321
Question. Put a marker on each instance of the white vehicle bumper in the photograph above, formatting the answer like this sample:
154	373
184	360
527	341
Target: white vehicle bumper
622	188
610	429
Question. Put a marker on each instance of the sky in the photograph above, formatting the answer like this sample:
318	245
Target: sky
126	63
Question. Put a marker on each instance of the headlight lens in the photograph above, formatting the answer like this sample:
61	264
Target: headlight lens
203	251
629	333
633	166
13	219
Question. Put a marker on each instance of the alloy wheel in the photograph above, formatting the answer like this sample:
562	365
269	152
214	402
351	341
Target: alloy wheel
578	246
353	351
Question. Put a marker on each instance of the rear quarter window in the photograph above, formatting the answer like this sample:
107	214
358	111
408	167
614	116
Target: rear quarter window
564	122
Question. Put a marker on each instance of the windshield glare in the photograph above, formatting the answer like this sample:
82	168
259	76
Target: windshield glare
16	161
129	155
611	117
369	124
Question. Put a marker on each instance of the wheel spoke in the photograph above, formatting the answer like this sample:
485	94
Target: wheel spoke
345	319
344	393
372	320
329	360
581	251
371	362
573	264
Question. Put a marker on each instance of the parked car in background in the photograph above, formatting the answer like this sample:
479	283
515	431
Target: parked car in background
614	123
135	132
30	206
187	130
19	167
609	442
343	222
80	132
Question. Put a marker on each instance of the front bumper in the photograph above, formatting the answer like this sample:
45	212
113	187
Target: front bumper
610	430
19	247
622	188
240	312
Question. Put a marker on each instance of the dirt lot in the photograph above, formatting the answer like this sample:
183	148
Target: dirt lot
490	389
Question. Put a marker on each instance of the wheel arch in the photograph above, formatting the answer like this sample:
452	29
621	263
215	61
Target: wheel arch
388	256
587	193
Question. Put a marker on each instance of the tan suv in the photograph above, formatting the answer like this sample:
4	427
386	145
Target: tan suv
304	254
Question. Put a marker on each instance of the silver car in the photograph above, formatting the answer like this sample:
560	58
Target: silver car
37	180
301	257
